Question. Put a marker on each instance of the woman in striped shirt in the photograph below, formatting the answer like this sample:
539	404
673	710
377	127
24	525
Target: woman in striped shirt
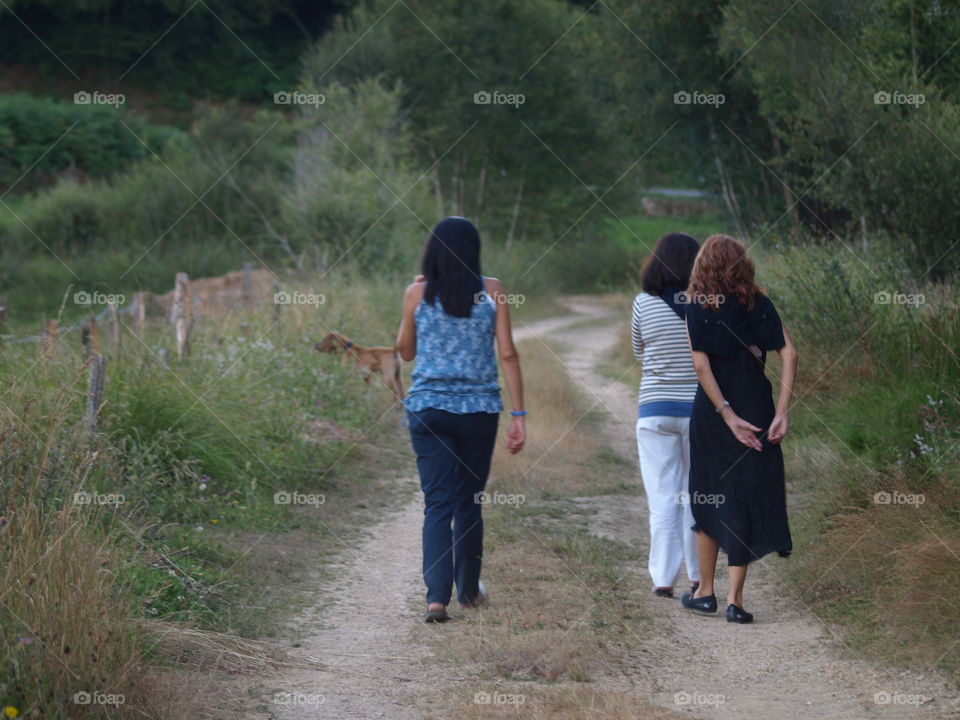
659	336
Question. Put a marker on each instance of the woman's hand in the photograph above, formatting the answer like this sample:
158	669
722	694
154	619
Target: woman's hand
744	432
516	435
419	279
778	429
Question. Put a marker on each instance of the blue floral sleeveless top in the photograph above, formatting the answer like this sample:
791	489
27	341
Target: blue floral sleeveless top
456	367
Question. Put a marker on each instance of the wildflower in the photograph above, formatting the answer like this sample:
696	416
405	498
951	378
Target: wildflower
10	711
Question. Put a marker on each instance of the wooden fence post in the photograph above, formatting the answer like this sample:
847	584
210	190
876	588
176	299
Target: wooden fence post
139	313
114	323
247	285
182	314
90	336
49	336
97	373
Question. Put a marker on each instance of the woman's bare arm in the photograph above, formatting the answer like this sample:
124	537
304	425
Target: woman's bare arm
788	376
510	362
407	335
744	432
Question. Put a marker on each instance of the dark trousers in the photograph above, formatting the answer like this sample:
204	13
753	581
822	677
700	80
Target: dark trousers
453	459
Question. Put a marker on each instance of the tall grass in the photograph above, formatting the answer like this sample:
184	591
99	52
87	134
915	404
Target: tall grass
876	448
102	536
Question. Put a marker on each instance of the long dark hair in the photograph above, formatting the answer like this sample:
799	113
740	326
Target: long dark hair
670	263
451	265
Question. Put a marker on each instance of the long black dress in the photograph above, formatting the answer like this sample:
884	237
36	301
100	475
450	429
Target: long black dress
737	494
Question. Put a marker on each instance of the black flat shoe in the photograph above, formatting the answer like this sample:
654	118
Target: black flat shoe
737	614
663	592
702	605
436	616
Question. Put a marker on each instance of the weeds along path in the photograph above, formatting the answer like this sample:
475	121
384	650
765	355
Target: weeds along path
788	664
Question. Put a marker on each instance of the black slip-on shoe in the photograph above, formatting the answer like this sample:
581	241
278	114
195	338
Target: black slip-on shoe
737	614
663	592
436	616
702	605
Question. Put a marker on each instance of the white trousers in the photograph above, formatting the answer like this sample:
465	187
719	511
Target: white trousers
663	444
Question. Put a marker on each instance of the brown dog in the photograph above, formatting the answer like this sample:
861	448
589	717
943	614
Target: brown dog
383	360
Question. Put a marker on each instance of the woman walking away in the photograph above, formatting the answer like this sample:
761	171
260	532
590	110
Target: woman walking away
451	315
737	489
669	383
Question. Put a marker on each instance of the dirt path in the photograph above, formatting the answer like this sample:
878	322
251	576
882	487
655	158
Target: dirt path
787	665
365	627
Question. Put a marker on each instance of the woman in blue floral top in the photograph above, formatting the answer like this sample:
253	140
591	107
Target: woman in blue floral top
451	316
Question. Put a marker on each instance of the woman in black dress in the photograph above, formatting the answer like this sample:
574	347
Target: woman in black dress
737	490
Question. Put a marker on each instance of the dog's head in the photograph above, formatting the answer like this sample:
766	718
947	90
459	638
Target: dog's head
333	342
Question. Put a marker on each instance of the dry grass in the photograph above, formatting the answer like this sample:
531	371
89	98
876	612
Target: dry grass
556	703
562	455
564	609
886	572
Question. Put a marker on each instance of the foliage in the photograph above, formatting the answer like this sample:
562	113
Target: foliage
40	138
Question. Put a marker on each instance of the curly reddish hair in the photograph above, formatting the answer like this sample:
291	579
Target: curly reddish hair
721	270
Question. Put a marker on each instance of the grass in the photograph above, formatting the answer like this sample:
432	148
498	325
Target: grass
178	564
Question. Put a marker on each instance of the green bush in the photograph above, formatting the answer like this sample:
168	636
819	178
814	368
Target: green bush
48	137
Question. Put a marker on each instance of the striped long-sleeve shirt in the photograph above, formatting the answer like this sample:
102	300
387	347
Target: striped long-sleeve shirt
660	342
